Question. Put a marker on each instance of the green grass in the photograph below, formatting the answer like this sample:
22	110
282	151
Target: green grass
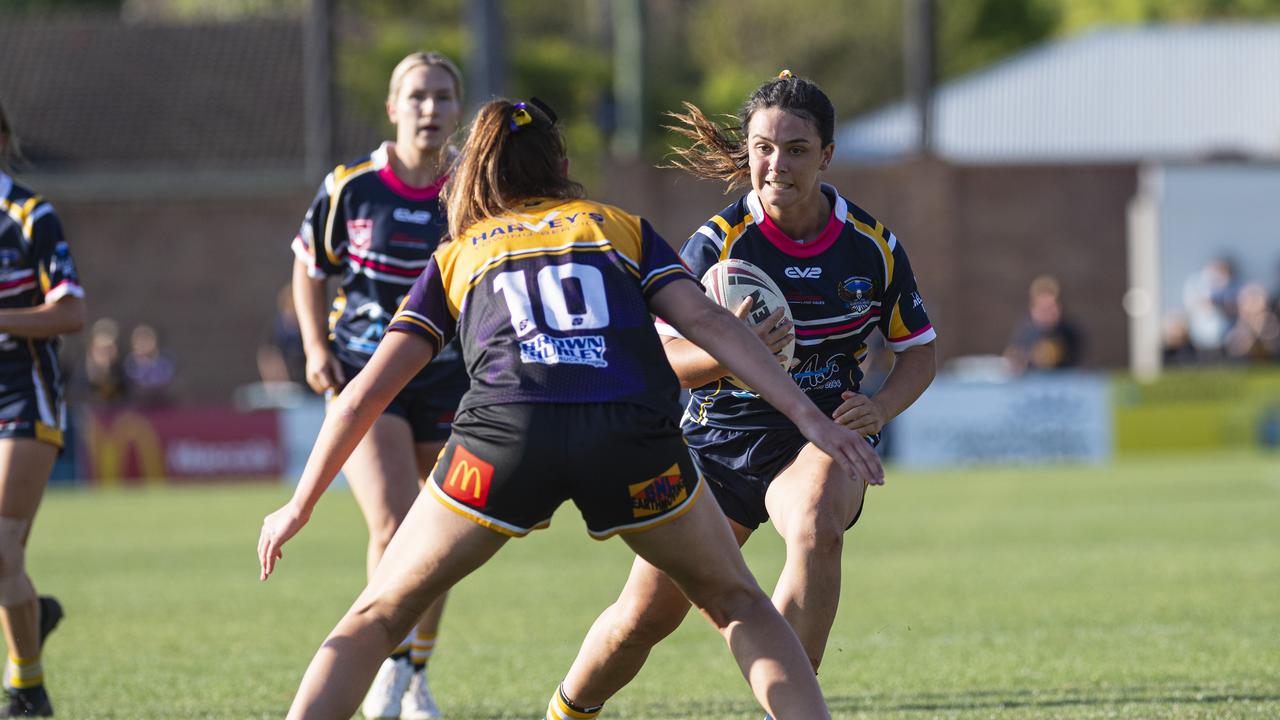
1146	589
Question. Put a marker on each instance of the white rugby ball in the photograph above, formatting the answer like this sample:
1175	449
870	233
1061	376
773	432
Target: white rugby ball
729	282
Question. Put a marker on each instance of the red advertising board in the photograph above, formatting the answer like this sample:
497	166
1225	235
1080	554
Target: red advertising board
135	445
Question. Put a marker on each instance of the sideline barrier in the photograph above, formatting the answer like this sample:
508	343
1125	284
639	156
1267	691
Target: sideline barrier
179	445
1057	417
1088	417
1198	410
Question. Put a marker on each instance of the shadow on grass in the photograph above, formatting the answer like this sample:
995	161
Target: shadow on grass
1049	698
978	701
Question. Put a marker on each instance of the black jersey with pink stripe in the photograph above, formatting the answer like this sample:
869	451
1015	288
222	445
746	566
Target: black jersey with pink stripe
377	234
35	268
851	280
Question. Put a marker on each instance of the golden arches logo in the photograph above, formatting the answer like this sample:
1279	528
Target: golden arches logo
468	478
109	445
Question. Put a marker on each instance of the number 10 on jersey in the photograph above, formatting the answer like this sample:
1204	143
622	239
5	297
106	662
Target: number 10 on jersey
573	298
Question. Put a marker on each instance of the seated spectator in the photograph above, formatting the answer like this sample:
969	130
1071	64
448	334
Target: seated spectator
1255	336
1045	340
1209	298
1176	341
150	371
103	366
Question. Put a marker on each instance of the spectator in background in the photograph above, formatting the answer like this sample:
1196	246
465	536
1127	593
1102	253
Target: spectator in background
149	371
103	366
1255	336
1045	340
281	358
1209	297
1176	340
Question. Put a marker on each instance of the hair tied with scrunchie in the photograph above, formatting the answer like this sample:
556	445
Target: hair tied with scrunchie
785	75
520	116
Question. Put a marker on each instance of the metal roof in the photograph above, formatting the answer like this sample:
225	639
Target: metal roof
1118	94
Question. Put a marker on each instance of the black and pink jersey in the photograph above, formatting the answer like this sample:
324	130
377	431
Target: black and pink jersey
377	233
852	279
35	268
551	306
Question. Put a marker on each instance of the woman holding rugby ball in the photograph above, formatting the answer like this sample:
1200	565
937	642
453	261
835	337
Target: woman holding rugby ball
844	275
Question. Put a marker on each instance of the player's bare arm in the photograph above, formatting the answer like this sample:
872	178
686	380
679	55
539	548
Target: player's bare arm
49	319
398	358
913	370
324	372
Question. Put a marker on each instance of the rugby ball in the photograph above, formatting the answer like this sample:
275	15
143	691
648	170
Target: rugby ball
729	282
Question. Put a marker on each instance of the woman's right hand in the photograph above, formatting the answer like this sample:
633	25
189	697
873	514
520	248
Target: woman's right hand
775	331
277	529
324	371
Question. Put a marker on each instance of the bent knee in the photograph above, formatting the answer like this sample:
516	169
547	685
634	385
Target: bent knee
723	606
823	535
646	625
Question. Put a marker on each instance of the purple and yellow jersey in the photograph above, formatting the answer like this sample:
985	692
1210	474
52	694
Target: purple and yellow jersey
852	279
551	306
35	268
377	233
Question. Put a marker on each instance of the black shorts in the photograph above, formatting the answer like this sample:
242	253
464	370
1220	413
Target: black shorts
428	407
740	464
31	403
508	467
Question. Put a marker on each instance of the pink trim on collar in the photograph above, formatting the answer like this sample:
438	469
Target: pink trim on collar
783	242
407	191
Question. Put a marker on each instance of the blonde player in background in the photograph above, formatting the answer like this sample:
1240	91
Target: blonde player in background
374	224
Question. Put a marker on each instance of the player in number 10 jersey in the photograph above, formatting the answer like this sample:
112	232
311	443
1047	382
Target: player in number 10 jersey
571	399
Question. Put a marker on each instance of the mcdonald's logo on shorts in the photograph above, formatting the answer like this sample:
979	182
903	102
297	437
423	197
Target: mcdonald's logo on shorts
659	494
468	478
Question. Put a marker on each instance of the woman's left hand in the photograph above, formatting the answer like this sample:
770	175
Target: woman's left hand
859	412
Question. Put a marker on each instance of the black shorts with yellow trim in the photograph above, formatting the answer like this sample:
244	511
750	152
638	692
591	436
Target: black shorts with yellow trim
31	403
429	401
508	467
740	464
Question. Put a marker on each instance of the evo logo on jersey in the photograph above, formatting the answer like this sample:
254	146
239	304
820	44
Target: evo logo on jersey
799	273
417	217
468	478
659	494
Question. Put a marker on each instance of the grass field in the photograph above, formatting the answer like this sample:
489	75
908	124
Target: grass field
1147	589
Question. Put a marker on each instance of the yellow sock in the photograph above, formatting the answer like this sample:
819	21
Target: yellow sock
420	651
561	709
25	673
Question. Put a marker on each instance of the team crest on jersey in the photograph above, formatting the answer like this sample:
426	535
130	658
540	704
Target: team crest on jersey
360	233
856	292
659	494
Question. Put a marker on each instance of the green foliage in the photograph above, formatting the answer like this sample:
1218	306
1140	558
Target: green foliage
1133	590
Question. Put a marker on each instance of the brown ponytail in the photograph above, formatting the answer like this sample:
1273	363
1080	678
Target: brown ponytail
506	159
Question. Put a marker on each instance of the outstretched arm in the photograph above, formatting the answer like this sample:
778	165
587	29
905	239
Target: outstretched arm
738	349
398	358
